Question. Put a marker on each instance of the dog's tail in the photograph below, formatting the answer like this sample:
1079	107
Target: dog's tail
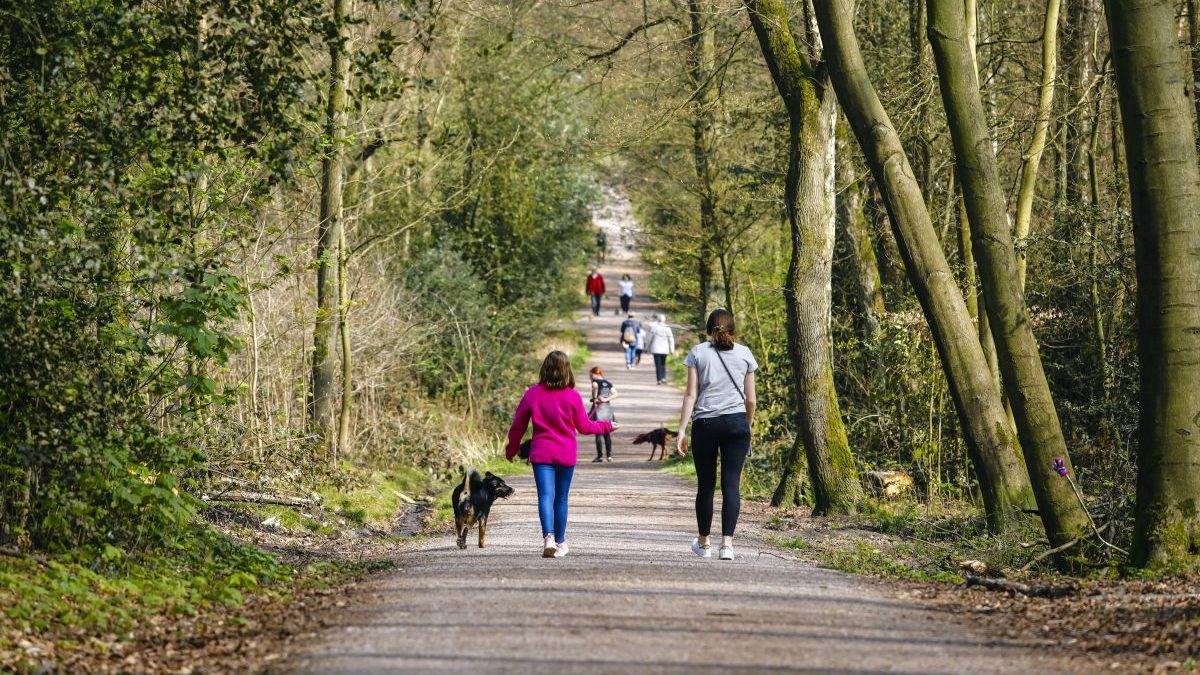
471	475
642	438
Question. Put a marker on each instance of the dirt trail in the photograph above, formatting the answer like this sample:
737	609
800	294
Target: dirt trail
630	597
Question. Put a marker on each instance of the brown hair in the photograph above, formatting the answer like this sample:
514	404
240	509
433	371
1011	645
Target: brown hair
721	329
596	371
556	371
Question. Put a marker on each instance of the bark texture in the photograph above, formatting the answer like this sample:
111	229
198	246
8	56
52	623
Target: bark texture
701	62
808	204
329	234
1020	361
856	236
993	450
1164	189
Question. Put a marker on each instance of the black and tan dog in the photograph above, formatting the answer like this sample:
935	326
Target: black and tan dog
657	439
472	501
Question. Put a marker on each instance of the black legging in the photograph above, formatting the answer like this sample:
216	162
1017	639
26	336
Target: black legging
728	436
625	303
603	441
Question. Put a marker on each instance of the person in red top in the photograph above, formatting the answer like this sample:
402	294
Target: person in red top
595	288
555	409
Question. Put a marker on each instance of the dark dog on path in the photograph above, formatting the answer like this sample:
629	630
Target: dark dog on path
472	501
657	439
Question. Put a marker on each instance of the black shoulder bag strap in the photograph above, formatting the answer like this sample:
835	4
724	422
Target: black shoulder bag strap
734	382
727	372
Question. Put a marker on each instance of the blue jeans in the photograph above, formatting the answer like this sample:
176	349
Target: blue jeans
596	305
630	354
553	487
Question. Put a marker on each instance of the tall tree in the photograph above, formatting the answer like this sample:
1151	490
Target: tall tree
329	233
992	447
856	236
1075	56
1164	190
700	68
803	85
1020	362
1032	158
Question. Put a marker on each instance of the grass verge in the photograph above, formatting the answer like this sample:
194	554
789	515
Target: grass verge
95	610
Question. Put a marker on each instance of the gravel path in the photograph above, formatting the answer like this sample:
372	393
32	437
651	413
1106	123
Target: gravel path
630	597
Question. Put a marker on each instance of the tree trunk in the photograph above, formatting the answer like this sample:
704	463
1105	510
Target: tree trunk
1020	363
701	63
1077	78
329	235
792	483
868	290
993	450
1194	33
344	415
1032	158
808	204
919	143
1164	190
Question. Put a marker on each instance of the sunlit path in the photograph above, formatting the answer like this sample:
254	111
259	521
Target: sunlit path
630	597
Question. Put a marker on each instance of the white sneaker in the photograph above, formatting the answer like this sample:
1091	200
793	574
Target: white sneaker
561	550
702	550
549	548
726	553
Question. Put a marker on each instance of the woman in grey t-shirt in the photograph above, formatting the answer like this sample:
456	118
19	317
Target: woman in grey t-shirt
719	402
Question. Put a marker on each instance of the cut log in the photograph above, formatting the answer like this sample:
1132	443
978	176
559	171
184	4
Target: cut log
259	498
888	483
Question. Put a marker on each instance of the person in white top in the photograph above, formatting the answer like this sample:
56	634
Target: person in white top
626	287
660	340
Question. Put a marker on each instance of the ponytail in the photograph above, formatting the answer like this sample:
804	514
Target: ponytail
721	329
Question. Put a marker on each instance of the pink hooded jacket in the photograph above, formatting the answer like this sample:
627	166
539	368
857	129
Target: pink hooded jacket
557	414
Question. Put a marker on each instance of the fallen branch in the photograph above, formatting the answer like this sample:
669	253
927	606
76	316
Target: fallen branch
16	553
1038	591
1052	552
260	498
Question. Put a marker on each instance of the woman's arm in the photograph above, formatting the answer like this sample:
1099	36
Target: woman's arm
611	396
751	398
685	413
595	392
586	426
519	424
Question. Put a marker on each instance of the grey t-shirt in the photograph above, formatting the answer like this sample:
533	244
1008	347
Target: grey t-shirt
717	395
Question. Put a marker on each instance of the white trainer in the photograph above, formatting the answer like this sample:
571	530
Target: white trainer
561	550
702	550
726	553
549	548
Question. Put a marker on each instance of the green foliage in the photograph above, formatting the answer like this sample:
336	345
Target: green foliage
121	131
112	590
374	498
866	559
527	218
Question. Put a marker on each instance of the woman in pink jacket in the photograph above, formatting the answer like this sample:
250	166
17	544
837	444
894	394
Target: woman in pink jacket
557	413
